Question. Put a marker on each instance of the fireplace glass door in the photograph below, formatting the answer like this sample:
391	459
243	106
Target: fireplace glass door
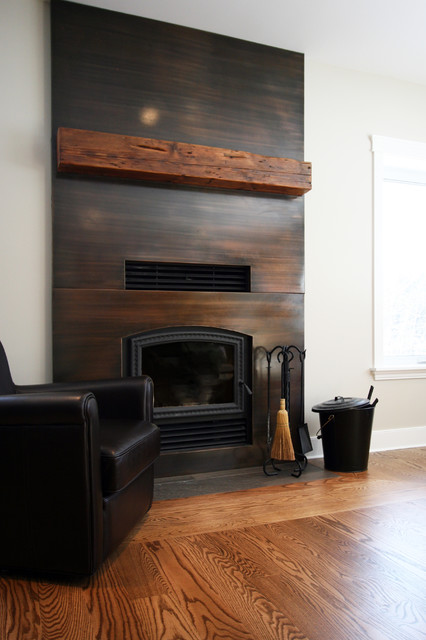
191	373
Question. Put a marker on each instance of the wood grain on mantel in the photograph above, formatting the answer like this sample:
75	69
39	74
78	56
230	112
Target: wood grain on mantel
120	156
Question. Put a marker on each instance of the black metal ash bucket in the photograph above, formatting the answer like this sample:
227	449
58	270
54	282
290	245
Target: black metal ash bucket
345	431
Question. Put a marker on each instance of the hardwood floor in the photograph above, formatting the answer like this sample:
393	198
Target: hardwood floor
336	559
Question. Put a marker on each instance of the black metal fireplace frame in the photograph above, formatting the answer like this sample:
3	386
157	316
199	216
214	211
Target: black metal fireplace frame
233	416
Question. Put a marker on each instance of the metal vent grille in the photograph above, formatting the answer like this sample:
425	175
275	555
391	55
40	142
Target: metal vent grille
167	276
203	434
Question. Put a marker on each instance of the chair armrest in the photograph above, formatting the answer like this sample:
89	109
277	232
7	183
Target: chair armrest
46	408
117	398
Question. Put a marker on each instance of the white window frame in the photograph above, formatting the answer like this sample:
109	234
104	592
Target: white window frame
381	147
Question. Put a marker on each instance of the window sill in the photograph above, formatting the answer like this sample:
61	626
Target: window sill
398	373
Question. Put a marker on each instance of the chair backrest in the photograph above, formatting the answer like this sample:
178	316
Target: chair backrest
6	383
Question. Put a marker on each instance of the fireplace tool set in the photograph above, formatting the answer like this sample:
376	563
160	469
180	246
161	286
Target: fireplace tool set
280	446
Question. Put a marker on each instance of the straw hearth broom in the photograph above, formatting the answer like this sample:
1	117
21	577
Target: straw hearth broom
282	445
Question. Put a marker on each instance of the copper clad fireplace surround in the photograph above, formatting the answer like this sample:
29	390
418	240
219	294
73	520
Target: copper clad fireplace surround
142	79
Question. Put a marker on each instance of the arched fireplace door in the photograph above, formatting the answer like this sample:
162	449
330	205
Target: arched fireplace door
202	384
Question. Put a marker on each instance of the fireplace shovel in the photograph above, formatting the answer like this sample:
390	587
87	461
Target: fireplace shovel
304	437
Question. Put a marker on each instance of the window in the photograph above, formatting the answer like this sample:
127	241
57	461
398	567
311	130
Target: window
400	258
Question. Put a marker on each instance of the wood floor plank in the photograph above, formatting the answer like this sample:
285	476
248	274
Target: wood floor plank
209	614
272	504
161	618
292	584
384	594
19	610
63	612
395	532
399	465
112	612
138	574
229	571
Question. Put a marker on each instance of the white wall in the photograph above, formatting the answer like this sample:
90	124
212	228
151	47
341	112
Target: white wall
25	252
343	108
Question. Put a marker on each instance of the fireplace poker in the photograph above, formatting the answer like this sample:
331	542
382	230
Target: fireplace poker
269	460
301	459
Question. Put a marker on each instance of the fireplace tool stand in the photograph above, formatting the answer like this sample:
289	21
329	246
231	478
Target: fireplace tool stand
285	355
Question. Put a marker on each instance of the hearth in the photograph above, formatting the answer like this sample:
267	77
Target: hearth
202	379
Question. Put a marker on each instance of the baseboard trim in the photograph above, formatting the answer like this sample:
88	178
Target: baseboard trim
383	440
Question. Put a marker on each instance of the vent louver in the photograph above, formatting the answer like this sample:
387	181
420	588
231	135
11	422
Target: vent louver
203	434
164	276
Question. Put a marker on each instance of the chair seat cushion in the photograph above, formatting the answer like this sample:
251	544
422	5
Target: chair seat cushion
127	448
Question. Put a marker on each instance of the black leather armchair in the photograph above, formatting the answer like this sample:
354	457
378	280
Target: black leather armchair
76	470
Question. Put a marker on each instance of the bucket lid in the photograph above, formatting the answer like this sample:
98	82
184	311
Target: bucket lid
341	404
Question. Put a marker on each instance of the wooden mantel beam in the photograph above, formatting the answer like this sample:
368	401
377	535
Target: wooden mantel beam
120	156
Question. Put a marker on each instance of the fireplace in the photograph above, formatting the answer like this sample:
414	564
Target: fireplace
202	380
120	241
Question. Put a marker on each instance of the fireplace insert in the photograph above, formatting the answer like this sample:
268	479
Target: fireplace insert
202	384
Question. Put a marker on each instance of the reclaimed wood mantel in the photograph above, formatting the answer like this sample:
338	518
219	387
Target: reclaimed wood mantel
121	156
